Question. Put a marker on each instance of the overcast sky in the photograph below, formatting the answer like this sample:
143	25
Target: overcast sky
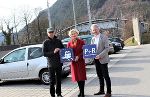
7	6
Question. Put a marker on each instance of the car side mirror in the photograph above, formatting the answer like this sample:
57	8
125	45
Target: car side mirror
1	61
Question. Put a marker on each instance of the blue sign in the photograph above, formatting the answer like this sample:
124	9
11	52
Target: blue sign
89	51
66	55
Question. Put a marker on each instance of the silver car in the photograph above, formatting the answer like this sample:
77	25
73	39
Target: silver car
27	63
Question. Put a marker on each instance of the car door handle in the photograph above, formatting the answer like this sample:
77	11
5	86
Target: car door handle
27	64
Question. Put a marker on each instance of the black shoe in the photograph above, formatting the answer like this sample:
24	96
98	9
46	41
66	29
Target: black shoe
59	95
52	95
100	93
82	95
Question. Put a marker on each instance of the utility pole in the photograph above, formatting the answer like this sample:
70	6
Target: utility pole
89	13
74	14
119	21
49	15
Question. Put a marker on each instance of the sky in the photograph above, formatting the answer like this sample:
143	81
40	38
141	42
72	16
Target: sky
7	6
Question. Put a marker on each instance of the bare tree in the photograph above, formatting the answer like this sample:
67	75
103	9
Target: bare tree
16	23
27	17
8	32
37	14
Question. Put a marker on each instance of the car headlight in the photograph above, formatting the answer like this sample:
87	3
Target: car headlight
117	44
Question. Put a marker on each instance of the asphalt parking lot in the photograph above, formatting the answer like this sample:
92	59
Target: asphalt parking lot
125	72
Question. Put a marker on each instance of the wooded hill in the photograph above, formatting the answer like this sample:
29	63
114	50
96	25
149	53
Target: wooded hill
62	14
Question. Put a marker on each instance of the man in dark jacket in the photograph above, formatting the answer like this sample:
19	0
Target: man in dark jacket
51	48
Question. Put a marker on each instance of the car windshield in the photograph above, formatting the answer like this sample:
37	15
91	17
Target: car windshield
17	55
86	38
66	40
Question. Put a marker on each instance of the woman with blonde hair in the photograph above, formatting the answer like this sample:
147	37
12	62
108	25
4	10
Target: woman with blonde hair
78	70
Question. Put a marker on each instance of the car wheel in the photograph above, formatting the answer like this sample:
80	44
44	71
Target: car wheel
65	74
88	61
44	77
91	62
1	83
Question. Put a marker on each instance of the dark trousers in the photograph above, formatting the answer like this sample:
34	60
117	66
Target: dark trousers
81	85
55	78
102	73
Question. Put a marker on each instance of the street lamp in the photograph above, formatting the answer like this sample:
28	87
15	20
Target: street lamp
49	15
74	14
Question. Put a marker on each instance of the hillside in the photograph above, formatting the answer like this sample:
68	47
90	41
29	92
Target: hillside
62	14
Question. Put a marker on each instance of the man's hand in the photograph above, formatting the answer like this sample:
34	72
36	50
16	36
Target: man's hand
56	50
76	58
98	57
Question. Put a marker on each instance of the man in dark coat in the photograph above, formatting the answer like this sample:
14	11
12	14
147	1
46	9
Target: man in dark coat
51	48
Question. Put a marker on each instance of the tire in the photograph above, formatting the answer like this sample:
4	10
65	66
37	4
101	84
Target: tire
90	62
65	74
44	77
1	83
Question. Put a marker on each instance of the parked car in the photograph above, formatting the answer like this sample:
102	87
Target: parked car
66	40
111	47
117	46
27	63
117	39
86	38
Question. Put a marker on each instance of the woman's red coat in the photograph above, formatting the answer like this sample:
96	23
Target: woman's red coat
78	70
